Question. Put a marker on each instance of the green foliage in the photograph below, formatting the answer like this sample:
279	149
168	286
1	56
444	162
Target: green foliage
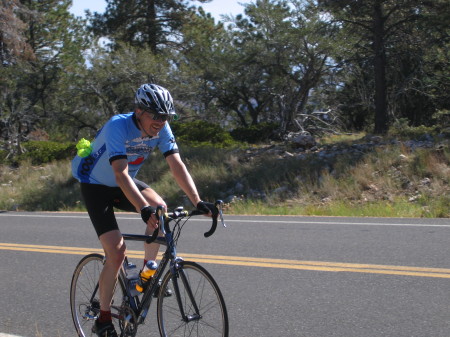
154	24
408	61
254	134
279	60
200	132
374	209
403	130
35	92
40	152
3	155
442	118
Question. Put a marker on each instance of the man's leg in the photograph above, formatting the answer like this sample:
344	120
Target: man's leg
114	247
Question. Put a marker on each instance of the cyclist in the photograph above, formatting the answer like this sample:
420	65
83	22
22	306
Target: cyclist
107	179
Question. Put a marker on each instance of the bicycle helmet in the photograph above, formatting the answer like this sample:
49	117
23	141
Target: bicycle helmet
156	98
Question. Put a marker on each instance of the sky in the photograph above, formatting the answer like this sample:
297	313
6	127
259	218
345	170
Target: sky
215	7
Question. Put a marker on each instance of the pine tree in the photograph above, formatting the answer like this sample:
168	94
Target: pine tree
380	27
144	23
13	44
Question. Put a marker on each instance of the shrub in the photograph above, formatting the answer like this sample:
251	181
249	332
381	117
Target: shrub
3	155
40	152
442	117
200	133
255	133
402	130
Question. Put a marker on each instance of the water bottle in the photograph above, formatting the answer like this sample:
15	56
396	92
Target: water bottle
146	274
132	277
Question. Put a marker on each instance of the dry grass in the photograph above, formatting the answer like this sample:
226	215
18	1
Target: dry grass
392	181
46	187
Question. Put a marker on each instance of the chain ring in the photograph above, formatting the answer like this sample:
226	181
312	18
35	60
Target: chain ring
127	323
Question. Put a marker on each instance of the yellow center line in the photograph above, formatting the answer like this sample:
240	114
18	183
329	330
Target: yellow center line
253	261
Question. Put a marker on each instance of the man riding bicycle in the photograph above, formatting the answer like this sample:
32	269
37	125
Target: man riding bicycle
107	180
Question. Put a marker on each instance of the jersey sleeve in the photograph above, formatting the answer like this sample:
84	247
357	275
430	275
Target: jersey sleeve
167	144
115	138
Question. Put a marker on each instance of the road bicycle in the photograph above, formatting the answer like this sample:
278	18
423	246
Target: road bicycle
196	307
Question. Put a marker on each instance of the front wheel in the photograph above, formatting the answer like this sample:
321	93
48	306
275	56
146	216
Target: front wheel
196	308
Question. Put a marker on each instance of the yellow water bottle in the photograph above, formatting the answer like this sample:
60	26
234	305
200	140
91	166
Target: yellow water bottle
146	274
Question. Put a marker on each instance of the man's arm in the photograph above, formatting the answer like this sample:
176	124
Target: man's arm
129	188
183	177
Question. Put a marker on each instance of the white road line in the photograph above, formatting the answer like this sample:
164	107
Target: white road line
245	221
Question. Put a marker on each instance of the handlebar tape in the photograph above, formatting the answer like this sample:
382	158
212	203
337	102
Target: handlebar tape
153	237
213	226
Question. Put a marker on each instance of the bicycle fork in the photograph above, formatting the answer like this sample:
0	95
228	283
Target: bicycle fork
179	273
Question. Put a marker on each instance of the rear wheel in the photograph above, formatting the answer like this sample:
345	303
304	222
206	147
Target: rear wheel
84	295
196	308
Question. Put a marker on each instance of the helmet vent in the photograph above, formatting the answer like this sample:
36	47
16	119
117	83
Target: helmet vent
155	97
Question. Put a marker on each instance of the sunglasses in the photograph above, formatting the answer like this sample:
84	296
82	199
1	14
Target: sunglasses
159	117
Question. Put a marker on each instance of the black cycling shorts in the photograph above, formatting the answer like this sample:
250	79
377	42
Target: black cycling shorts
100	201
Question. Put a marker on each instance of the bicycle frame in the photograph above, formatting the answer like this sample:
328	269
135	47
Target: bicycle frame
141	307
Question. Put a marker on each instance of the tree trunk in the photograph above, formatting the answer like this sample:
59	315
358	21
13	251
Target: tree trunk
381	116
151	26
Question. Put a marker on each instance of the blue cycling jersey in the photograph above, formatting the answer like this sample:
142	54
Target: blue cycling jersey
120	137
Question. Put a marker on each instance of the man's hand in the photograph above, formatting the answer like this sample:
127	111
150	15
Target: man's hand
208	208
146	214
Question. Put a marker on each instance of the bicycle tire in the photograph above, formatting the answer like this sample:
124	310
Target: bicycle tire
84	294
212	320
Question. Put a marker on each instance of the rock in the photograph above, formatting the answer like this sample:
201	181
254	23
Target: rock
230	199
280	190
413	198
426	138
376	139
298	140
425	182
239	187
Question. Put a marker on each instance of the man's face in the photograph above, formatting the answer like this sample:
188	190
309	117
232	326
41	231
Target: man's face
148	122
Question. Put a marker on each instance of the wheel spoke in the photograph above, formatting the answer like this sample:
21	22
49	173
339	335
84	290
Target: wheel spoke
84	303
211	319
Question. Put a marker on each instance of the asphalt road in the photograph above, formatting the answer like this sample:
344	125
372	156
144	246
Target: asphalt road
280	276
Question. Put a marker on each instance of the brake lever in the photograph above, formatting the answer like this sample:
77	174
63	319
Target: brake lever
160	215
219	205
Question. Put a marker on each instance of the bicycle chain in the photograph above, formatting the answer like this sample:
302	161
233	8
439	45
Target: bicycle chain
127	321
